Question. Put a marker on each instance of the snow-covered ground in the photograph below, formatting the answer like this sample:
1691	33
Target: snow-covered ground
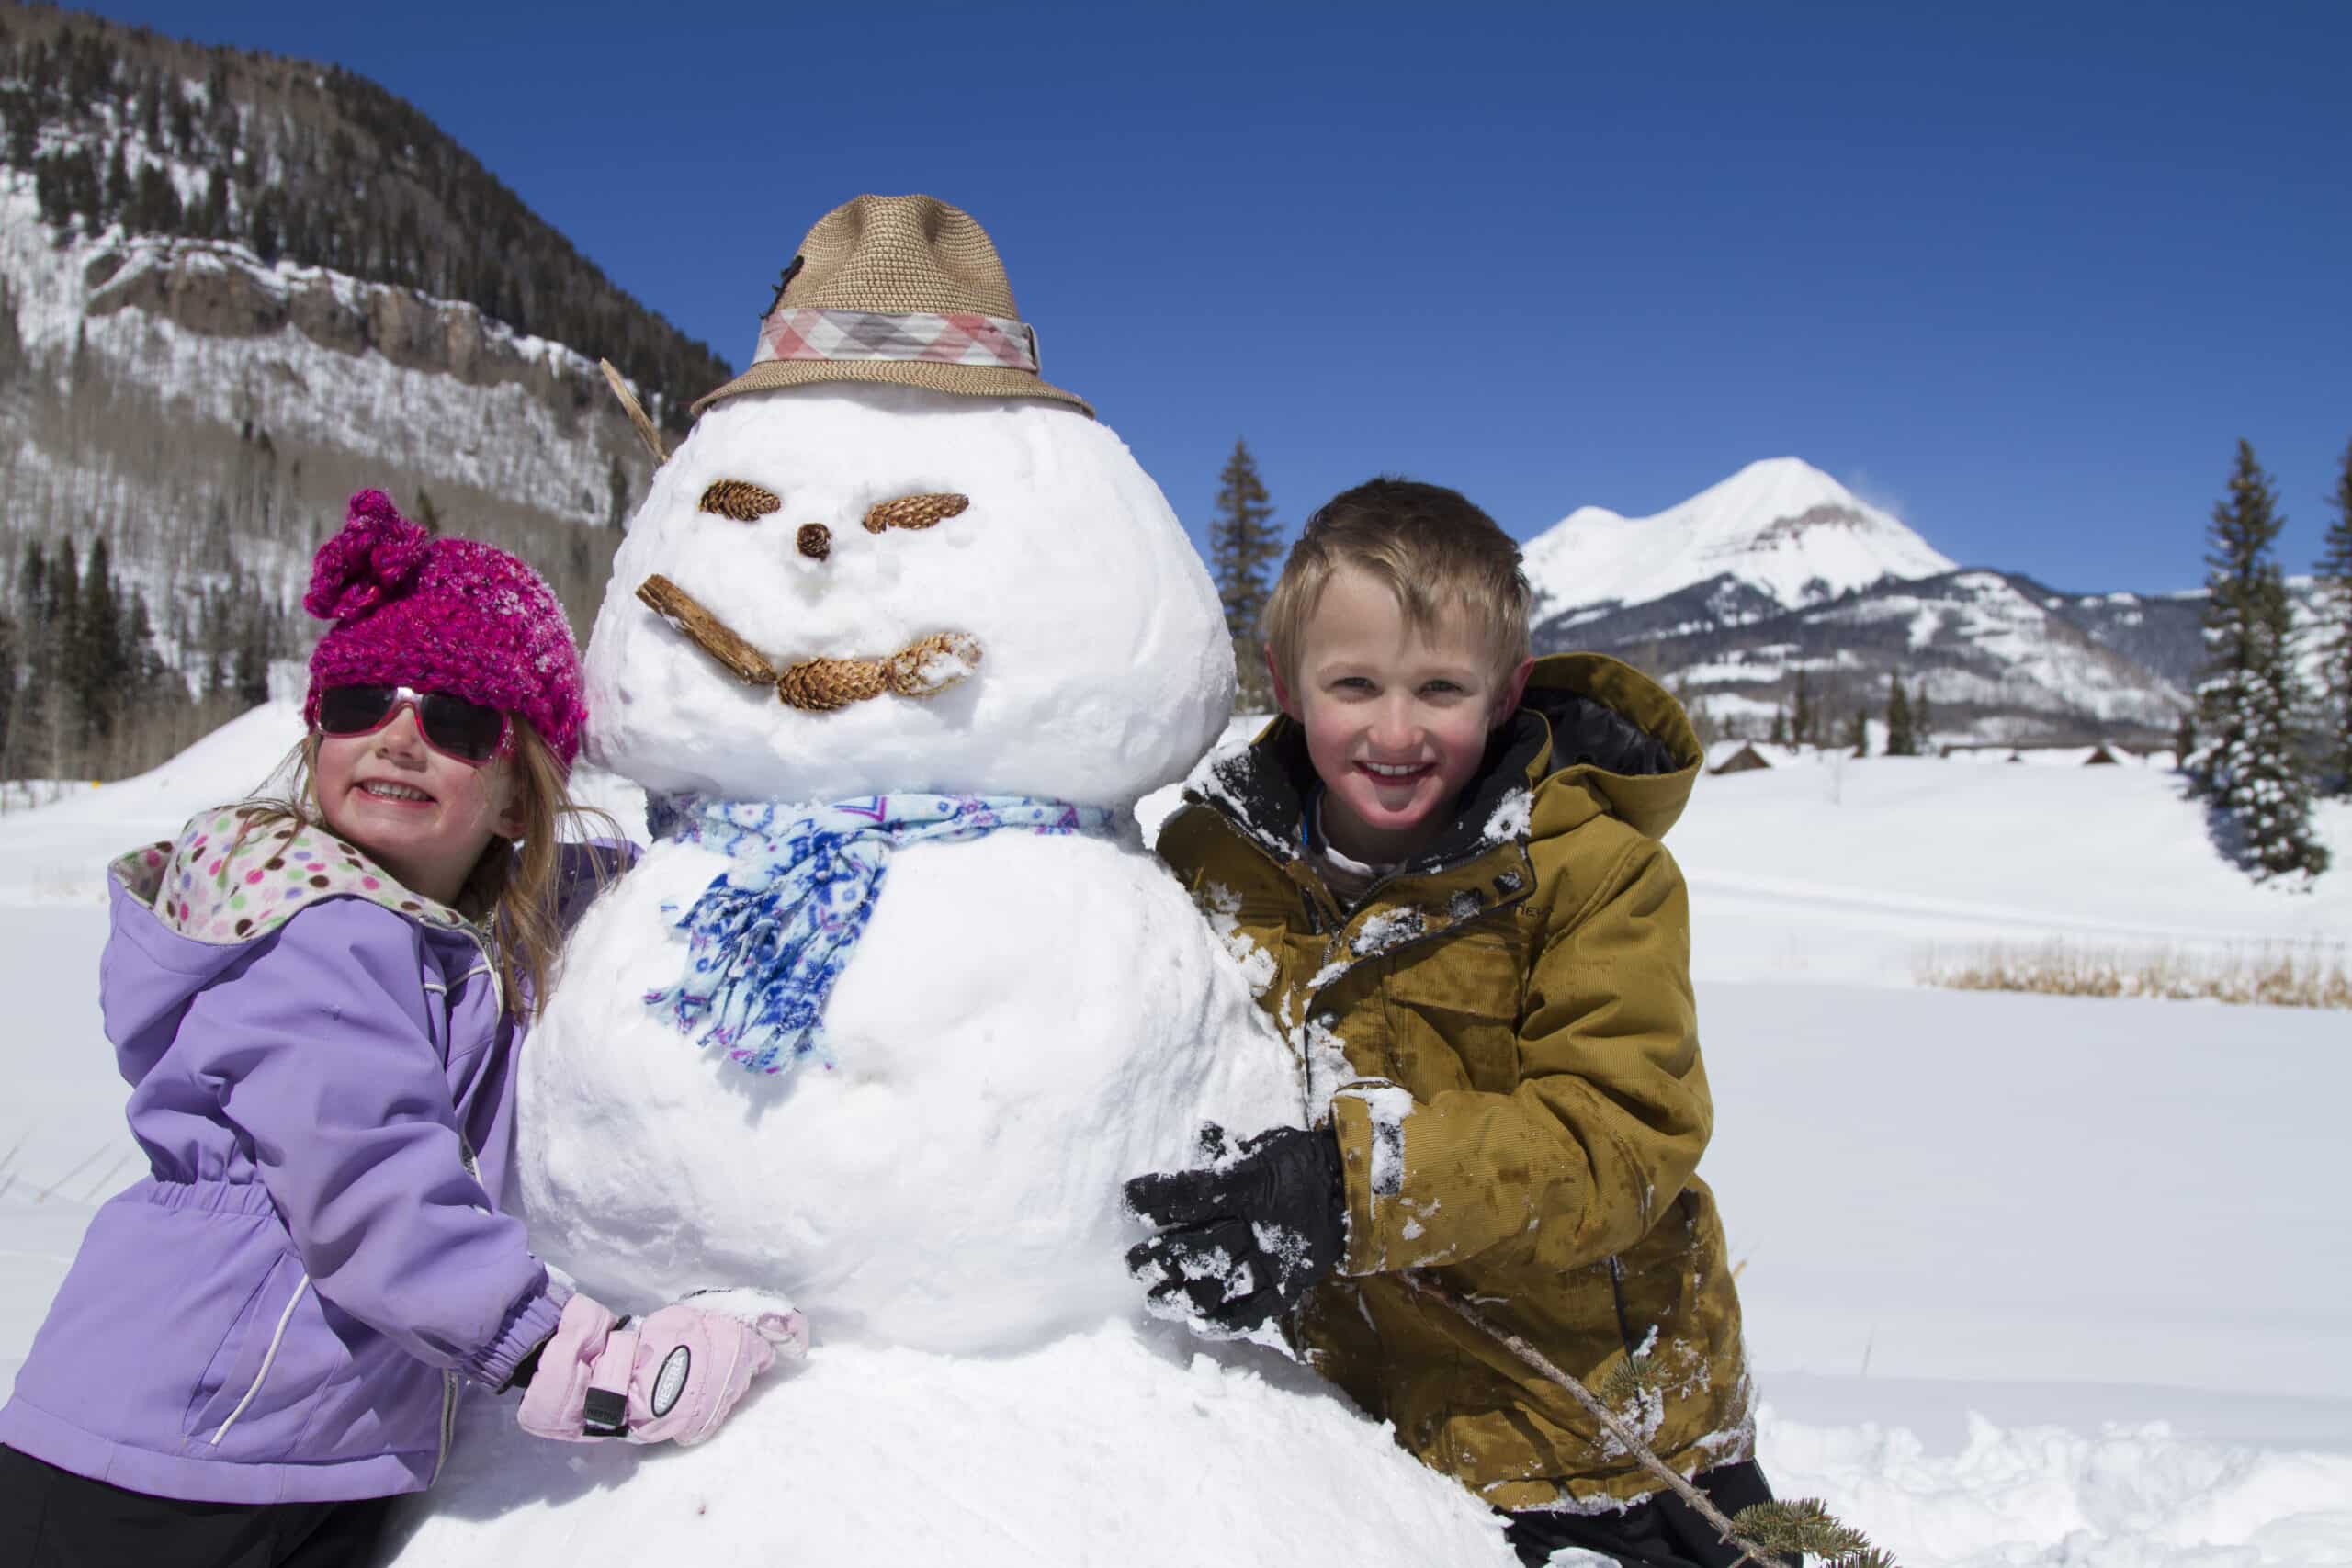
2029	1280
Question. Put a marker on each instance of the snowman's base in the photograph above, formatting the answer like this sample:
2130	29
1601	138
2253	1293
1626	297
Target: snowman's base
1120	1447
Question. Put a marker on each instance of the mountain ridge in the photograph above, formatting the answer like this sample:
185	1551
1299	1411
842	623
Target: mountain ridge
187	402
1778	525
1780	574
126	127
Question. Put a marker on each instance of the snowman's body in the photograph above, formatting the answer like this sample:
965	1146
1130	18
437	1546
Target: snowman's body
1028	1021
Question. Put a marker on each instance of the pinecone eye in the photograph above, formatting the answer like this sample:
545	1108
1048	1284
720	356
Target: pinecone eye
743	503
913	512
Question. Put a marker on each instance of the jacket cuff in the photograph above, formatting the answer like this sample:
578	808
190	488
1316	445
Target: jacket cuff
529	1323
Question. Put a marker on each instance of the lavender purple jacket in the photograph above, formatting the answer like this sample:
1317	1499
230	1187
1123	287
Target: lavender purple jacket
322	1079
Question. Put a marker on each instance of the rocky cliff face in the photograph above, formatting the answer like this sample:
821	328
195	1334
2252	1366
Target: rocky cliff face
208	415
234	287
144	356
218	290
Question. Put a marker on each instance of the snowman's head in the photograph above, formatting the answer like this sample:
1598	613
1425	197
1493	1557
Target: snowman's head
1055	635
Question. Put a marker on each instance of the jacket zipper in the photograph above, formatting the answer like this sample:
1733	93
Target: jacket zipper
1617	1295
276	1336
448	1422
489	966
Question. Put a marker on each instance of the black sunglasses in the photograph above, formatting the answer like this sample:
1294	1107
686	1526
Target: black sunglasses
463	731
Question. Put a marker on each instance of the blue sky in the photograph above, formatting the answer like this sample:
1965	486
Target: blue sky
2025	274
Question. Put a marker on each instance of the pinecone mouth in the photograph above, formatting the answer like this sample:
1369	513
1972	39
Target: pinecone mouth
924	667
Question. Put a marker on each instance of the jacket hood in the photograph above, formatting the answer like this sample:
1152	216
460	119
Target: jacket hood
1615	736
1591	735
184	913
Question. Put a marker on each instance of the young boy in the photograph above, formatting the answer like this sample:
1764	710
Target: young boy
1482	955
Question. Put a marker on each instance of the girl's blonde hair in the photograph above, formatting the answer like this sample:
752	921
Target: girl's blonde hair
512	893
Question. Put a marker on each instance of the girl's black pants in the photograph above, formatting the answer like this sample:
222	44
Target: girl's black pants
54	1518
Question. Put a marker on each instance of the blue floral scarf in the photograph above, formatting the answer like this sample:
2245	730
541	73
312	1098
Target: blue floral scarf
772	932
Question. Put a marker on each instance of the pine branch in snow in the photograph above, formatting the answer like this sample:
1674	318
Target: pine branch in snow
1806	1525
1803	1526
1629	1379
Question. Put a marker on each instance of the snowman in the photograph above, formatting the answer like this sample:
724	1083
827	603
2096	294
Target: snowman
898	998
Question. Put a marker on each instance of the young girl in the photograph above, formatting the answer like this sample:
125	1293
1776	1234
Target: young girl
317	1002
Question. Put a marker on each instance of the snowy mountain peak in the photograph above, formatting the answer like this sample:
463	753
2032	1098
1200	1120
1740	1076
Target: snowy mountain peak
1777	487
1780	527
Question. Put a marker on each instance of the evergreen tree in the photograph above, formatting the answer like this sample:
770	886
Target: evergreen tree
2336	609
48	589
1800	713
117	195
1780	736
2249	691
9	656
1242	545
251	675
53	584
1923	722
1858	734
2184	741
148	672
616	495
99	661
14	362
155	204
1902	739
262	226
214	222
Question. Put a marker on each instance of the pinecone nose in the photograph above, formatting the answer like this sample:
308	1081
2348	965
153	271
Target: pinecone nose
816	540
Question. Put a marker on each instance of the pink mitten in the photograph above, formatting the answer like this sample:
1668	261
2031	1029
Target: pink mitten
672	1378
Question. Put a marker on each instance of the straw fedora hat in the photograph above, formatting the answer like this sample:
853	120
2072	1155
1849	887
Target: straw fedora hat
899	288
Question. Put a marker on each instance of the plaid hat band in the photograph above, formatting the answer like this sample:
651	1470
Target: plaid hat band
896	291
960	338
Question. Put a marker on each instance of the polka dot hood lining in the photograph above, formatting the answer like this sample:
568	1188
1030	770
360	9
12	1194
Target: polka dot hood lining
212	888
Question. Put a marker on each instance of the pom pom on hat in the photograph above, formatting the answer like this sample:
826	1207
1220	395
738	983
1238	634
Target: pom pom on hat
441	614
375	557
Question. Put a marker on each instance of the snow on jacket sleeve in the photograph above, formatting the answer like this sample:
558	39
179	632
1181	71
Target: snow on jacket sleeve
321	1051
1600	1134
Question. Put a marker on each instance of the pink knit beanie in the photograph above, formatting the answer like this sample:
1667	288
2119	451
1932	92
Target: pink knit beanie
441	614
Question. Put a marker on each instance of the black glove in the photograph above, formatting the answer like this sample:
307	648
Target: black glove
1241	1243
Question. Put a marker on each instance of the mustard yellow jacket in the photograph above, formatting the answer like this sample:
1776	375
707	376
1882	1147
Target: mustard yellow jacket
1503	1035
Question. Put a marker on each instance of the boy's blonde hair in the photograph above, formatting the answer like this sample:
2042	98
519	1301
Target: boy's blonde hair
1428	545
511	893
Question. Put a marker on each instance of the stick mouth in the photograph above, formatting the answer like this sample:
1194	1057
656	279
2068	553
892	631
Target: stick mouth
924	667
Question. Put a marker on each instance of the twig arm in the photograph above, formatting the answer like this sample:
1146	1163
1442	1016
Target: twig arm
636	417
710	634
